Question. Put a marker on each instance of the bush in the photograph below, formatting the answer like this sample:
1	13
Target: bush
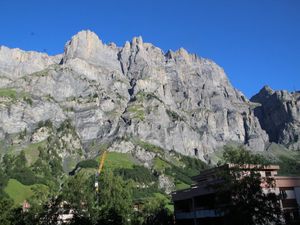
142	193
173	115
289	166
90	163
3	180
28	100
179	174
138	173
25	176
193	165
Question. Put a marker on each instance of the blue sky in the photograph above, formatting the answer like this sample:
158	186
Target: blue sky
257	42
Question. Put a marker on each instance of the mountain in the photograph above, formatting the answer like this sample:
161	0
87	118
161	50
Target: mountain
162	116
279	116
123	96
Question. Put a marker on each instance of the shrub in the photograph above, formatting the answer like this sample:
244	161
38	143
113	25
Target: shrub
90	163
173	115
138	174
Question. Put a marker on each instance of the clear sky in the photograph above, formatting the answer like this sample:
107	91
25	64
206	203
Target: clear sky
257	42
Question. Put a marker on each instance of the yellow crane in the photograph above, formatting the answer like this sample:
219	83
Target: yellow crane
102	159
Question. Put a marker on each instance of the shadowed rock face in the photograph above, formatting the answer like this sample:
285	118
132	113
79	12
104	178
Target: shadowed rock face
279	115
176	100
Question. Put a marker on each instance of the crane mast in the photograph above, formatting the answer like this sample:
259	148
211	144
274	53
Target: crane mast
102	159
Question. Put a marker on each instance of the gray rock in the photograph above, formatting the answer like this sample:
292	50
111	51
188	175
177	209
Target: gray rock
176	101
15	63
279	115
166	183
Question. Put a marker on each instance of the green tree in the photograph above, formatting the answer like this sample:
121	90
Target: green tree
78	195
7	163
154	212
6	205
246	202
49	214
113	205
240	156
115	200
3	181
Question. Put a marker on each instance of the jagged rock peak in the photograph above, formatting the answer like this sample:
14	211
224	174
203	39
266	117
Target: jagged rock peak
82	45
267	90
137	40
182	54
279	116
264	93
16	62
86	47
85	37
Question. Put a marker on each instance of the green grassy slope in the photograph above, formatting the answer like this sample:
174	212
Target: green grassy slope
116	160
32	152
17	191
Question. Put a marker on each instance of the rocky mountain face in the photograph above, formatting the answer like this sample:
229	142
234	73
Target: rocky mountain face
279	116
124	96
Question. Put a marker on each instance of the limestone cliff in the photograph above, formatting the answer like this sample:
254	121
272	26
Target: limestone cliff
279	115
175	100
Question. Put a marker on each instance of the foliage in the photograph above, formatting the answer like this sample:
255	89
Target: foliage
66	125
8	92
160	165
41	164
78	194
28	100
89	163
184	168
17	191
115	199
6	205
154	212
173	115
32	151
239	155
137	173
192	165
241	192
140	96
44	167
137	111
3	181
14	95
117	160
114	204
23	134
46	123
145	192
15	167
148	146
179	174
289	165
180	185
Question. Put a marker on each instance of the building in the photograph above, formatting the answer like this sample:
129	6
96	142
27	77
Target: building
196	205
25	206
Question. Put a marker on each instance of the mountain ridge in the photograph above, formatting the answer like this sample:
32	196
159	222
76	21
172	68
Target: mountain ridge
174	100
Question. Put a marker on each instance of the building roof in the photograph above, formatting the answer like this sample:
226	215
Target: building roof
209	172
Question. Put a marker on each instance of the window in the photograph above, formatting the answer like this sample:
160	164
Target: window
268	173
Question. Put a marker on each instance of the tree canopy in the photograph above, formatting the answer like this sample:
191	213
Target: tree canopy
248	203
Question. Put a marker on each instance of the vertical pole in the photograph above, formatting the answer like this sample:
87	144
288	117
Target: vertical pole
194	211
